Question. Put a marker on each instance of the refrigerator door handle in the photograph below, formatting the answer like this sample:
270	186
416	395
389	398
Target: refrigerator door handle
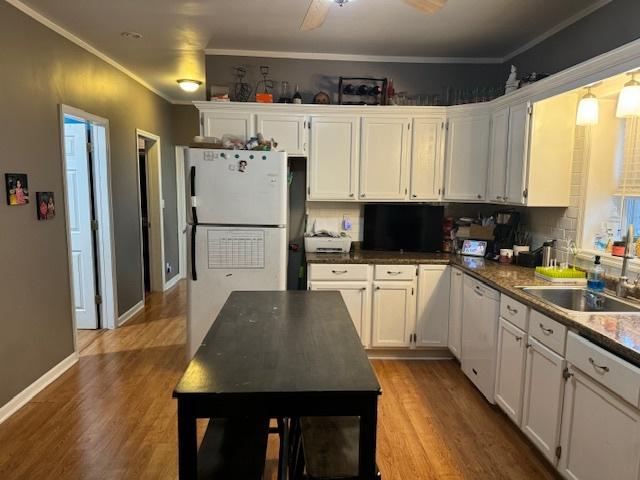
194	212
194	226
194	273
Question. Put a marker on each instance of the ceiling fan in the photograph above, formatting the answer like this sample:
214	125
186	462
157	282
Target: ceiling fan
319	10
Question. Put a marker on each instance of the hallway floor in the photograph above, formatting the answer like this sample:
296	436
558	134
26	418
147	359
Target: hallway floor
111	416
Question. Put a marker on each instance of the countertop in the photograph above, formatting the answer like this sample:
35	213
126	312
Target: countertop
617	333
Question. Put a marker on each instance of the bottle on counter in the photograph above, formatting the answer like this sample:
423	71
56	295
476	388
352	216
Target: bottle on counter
297	97
595	280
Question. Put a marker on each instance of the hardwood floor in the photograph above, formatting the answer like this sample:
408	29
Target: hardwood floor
111	416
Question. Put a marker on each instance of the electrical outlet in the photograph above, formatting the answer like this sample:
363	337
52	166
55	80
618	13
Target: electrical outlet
169	268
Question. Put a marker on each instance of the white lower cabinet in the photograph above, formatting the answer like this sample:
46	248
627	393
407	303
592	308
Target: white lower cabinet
510	367
455	313
357	297
394	311
543	393
600	433
432	317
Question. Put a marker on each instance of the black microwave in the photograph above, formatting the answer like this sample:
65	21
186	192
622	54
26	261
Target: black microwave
416	228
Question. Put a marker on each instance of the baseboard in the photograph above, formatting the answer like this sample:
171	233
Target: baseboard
22	398
409	354
126	316
172	283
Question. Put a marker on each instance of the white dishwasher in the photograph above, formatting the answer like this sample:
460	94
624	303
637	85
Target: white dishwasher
480	311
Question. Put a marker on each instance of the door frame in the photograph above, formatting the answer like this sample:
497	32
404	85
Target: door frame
181	206
104	211
155	208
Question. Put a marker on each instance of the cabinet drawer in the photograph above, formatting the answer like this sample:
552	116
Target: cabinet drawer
395	272
547	331
614	373
514	312
338	272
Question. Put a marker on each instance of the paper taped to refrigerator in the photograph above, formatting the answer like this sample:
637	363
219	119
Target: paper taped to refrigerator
235	248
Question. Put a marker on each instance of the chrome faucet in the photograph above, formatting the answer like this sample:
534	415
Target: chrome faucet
623	280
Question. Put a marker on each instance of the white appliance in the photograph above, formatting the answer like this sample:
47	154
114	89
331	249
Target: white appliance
480	311
316	244
237	236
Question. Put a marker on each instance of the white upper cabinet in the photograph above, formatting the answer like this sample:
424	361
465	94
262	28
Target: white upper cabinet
218	123
432	320
383	160
467	156
427	158
517	153
289	131
498	155
333	158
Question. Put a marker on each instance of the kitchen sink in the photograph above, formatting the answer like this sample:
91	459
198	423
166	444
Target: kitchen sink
579	299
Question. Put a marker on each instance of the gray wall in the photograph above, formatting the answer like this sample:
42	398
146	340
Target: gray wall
185	123
41	70
605	29
316	75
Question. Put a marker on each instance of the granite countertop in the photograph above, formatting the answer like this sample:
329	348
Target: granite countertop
617	333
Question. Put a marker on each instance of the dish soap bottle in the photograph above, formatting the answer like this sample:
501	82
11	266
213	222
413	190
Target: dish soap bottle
595	281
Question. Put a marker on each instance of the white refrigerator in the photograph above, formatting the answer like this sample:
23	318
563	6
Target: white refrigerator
237	237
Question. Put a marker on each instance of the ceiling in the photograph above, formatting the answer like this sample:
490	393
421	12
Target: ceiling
176	33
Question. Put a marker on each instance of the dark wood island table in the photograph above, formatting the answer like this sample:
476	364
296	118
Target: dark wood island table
279	354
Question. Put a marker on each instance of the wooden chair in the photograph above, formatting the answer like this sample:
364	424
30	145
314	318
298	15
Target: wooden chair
325	448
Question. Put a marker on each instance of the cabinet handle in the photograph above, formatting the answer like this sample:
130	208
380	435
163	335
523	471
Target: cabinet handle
506	198
377	287
362	195
458	274
548	331
413	195
511	310
603	368
389	272
351	195
363	288
518	338
528	346
479	196
339	272
477	290
498	197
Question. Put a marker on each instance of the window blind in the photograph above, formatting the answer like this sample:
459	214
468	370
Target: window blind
629	185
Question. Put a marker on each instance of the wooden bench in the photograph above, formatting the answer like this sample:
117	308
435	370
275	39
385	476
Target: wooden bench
233	448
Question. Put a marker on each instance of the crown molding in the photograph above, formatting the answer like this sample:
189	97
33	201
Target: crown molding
557	28
86	46
349	57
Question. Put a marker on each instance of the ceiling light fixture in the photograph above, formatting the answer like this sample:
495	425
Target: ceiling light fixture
587	109
131	35
189	85
629	99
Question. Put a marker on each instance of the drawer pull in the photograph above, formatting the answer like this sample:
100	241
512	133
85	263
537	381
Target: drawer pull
511	310
393	273
518	338
458	274
478	291
548	331
339	272
602	368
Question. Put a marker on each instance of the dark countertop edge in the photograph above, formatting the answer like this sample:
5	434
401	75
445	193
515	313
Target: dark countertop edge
328	393
603	341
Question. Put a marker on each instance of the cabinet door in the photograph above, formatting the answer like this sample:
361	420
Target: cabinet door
543	392
357	297
518	153
466	159
455	313
600	433
333	158
217	124
426	159
394	310
510	369
498	155
432	320
383	158
289	131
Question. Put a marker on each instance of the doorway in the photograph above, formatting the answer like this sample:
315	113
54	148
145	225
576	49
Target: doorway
87	197
151	207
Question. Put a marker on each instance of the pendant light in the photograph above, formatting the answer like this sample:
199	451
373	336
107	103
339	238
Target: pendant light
629	99
587	109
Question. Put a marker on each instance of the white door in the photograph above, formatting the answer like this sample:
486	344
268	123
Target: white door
333	158
600	433
510	369
289	131
518	152
498	155
357	297
455	313
432	320
79	213
218	124
543	392
394	309
426	159
383	158
467	156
